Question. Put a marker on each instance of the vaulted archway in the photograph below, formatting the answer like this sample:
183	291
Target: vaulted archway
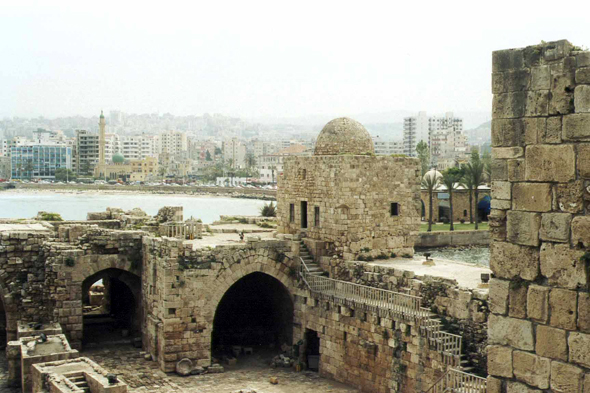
256	311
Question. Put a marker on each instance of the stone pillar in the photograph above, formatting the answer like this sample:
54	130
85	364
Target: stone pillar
539	329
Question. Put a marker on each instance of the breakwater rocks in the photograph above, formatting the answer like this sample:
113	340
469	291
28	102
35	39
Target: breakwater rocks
245	193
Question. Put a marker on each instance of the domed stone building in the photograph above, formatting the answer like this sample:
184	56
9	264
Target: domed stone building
346	201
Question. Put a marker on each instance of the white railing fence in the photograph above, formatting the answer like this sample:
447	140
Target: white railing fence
460	382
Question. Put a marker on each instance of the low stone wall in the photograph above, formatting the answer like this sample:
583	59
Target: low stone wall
463	311
454	238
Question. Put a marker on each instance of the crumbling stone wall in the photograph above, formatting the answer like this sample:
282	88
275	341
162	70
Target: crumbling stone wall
539	329
354	196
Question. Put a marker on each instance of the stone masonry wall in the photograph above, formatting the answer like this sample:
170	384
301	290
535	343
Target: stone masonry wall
539	329
354	196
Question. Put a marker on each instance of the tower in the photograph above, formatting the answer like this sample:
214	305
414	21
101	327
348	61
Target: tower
101	145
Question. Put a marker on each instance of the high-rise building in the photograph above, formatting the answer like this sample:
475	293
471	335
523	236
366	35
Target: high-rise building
421	128
172	143
234	153
386	147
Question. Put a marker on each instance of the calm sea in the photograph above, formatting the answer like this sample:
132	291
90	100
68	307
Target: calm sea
75	206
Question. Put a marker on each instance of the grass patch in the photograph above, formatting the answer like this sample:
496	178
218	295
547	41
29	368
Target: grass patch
483	226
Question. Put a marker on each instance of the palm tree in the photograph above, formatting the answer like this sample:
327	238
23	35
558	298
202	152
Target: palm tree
430	182
450	179
29	167
474	173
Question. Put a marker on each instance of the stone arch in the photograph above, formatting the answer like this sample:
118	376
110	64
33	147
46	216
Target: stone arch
251	263
86	266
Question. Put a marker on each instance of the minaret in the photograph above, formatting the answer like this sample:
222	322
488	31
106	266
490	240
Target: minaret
101	145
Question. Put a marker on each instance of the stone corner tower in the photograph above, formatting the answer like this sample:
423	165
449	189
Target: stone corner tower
539	329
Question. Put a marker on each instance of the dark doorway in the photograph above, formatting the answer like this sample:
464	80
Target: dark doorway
312	351
303	214
257	311
111	307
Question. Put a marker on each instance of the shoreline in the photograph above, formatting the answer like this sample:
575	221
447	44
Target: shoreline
265	195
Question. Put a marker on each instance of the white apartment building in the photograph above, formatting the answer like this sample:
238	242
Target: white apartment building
172	143
234	152
130	147
386	147
85	150
270	166
421	128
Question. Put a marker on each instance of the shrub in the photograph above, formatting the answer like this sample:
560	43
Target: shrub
462	221
70	262
269	210
444	220
382	256
393	255
242	220
406	255
51	216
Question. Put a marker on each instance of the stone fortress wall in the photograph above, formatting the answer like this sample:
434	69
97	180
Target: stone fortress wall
539	329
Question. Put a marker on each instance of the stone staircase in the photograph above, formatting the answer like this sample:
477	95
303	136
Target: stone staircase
406	307
79	379
312	267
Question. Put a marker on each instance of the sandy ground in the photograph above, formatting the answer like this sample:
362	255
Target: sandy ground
467	275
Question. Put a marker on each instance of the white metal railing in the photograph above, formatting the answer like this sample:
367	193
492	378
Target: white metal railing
399	304
381	298
460	382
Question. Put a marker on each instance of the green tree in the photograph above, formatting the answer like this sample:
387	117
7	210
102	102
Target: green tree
450	180
424	155
486	158
217	151
162	170
29	167
268	210
474	177
64	174
250	161
208	156
85	168
430	182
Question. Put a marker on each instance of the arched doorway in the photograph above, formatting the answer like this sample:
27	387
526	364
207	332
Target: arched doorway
111	301
484	208
256	311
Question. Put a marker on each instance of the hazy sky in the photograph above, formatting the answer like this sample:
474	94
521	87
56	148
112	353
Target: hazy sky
264	58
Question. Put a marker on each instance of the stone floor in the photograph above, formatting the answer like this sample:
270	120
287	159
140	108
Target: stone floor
144	376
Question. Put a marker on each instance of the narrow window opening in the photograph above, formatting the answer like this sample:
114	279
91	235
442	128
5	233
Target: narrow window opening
303	214
316	216
292	212
394	210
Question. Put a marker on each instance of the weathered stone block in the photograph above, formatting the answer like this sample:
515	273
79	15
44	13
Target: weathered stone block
584	160
532	369
507	152
587	383
540	78
555	227
578	344
553	131
508	132
538	303
516	170
582	98
581	231
551	343
576	126
516	387
562	304
557	49
550	163
497	222
498	301
562	266
583	59
509	260
537	103
584	312
523	227
499	169
500	361
532	197
516	333
501	190
517	300
509	81
509	105
501	204
583	75
569	197
494	385
565	377
504	60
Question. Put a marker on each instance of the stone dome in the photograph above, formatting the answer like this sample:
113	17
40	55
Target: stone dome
118	158
431	173
344	136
